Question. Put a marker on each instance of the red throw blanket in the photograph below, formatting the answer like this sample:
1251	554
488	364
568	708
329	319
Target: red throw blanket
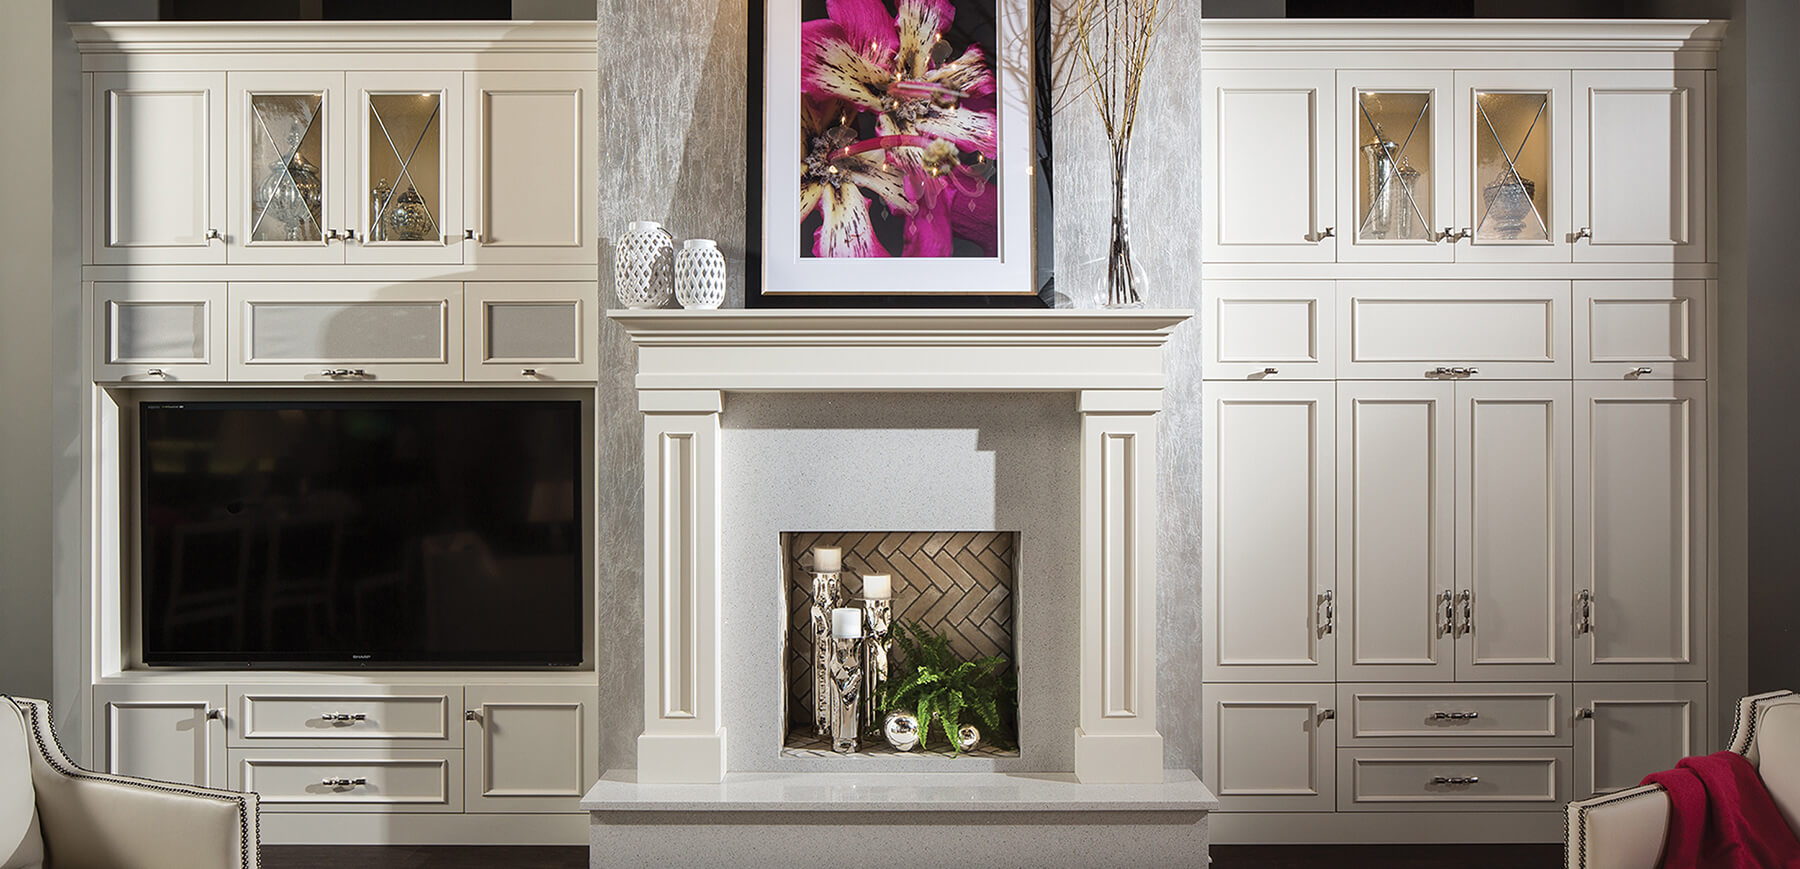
1721	817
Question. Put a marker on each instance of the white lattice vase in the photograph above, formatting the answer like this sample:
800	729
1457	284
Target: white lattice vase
644	266
700	274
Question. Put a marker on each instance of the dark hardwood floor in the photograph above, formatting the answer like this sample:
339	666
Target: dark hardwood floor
1224	857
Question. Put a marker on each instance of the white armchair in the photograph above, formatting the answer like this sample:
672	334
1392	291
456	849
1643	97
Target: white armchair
55	815
1625	830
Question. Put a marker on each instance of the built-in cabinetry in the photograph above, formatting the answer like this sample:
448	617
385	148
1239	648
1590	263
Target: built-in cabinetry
307	209
1456	500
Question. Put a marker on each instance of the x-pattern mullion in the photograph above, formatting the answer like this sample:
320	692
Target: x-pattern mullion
1395	155
287	159
405	162
1512	168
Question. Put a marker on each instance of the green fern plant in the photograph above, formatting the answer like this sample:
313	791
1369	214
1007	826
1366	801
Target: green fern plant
931	680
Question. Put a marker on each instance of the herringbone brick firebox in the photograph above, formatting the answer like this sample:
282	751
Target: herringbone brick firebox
956	583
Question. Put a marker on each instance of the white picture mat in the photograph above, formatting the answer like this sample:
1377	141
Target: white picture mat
785	271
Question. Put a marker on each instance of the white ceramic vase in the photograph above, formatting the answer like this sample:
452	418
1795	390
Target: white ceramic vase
644	266
700	274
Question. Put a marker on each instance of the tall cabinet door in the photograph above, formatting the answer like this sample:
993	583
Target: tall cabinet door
1395	531
159	153
162	732
1640	530
1270	748
529	147
1514	537
1640	165
1268	166
1512	165
1268	572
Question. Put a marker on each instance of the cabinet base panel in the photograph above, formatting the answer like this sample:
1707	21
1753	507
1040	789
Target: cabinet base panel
1383	828
366	828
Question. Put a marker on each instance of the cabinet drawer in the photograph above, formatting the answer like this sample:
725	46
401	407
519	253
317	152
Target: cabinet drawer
1640	330
156	332
529	332
300	780
346	333
1424	779
1465	714
1514	330
1254	326
387	714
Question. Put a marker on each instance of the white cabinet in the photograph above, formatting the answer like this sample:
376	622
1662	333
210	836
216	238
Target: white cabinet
1640	330
531	332
157	167
1270	747
1641	165
1506	330
1512	165
1440	780
1267	536
1394	161
172	733
1641	530
1624	732
1268	166
531	165
346	332
1263	330
525	749
155	332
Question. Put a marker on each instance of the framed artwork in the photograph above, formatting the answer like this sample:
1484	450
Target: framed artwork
897	151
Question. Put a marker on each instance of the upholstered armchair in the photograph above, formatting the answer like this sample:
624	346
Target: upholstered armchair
1626	830
56	815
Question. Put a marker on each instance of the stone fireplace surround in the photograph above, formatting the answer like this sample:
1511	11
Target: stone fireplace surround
1112	364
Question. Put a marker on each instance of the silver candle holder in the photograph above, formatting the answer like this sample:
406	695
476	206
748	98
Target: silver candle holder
878	620
845	665
825	598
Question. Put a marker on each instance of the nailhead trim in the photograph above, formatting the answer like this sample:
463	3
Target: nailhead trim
52	751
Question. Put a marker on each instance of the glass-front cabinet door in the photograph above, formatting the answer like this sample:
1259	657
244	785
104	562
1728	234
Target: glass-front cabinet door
287	176
1513	166
407	133
1394	132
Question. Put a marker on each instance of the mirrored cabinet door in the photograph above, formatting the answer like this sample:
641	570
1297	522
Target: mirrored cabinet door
287	167
1513	166
407	132
1393	137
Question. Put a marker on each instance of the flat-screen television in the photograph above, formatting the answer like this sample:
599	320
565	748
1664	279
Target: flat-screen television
343	534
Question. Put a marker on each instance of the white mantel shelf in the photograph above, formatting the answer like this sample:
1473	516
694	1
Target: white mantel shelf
907	350
1179	791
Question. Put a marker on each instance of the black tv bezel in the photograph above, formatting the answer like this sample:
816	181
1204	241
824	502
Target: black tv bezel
558	660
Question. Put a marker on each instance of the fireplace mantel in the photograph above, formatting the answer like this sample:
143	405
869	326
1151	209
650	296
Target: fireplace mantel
689	360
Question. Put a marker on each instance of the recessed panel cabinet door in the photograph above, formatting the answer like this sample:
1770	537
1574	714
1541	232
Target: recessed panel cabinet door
159	154
288	172
530	331
523	749
346	332
1267	576
1640	530
1268	166
159	331
1268	330
167	733
531	160
1512	165
1640	165
1270	748
1640	330
1394	160
1395	530
1514	536
1625	732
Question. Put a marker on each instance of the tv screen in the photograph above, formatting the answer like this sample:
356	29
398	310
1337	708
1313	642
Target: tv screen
367	533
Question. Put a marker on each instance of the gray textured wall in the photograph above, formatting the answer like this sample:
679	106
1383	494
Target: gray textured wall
671	144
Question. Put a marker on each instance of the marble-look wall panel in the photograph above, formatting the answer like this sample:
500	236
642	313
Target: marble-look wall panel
673	90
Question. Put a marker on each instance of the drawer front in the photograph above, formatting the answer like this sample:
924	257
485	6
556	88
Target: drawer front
299	780
390	715
1424	779
346	333
1463	714
157	332
1256	326
1515	330
1640	330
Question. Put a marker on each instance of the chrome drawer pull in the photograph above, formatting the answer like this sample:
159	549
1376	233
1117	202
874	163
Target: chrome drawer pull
345	716
343	782
1455	716
1455	779
343	372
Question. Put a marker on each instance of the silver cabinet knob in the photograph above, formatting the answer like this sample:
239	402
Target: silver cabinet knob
214	235
528	372
157	372
1328	715
1583	714
1579	234
214	713
472	715
1641	370
1321	235
1271	371
1441	371
350	234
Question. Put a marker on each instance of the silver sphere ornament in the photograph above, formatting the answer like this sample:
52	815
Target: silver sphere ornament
967	737
901	730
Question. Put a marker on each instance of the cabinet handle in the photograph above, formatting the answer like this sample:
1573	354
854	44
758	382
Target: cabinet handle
1455	779
1584	713
1640	371
1271	371
343	372
1449	625
345	716
157	372
1321	235
332	235
1441	371
472	715
214	713
1455	716
1327	715
472	235
528	372
1468	612
1327	621
1579	234
214	235
1586	600
1453	235
343	782
350	234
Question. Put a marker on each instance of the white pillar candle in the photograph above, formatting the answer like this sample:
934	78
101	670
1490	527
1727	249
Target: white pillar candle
846	624
878	586
828	559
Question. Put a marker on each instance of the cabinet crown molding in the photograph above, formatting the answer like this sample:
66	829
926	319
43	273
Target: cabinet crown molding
1378	36
333	37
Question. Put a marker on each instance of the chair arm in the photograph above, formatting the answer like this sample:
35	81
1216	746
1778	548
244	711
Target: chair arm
1623	830
96	821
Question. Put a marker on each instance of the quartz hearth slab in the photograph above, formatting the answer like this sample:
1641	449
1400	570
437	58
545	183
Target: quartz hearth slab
618	791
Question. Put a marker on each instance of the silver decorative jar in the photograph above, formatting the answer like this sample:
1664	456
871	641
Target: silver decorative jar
644	266
700	274
967	737
901	730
